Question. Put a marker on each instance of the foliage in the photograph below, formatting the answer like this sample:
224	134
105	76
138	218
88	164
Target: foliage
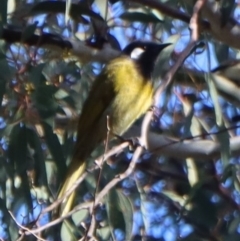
184	185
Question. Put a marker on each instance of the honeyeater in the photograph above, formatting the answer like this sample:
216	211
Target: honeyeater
123	91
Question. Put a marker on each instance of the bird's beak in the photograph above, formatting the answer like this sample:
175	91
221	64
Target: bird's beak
160	47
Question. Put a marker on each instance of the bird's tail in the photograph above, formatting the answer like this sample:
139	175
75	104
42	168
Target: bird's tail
75	172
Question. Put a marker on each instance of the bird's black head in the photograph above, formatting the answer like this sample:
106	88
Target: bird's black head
145	54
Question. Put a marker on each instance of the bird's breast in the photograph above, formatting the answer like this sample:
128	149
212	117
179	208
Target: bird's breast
133	96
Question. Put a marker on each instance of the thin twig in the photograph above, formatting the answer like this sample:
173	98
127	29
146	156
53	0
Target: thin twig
122	176
99	197
60	219
115	150
110	153
25	228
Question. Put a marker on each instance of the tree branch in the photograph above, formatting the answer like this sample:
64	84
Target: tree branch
54	42
229	34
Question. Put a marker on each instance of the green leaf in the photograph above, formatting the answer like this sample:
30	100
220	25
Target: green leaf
228	172
120	212
126	208
233	226
55	149
104	233
139	17
214	96
80	216
18	155
39	160
3	11
223	138
175	197
44	100
59	7
70	232
18	147
115	216
61	94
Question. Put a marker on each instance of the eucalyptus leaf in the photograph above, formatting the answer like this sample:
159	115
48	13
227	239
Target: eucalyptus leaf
126	208
55	149
139	17
115	215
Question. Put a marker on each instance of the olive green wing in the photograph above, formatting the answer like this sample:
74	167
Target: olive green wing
99	99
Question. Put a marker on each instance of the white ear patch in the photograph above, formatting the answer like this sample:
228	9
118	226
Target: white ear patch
135	54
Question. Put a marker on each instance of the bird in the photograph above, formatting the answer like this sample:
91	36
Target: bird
122	92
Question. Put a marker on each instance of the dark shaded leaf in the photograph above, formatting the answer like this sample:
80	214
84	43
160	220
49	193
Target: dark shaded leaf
39	161
126	208
55	149
11	227
204	212
3	173
68	144
18	155
29	32
139	17
233	237
45	101
221	51
113	41
59	7
70	101
226	8
115	211
3	11
36	74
